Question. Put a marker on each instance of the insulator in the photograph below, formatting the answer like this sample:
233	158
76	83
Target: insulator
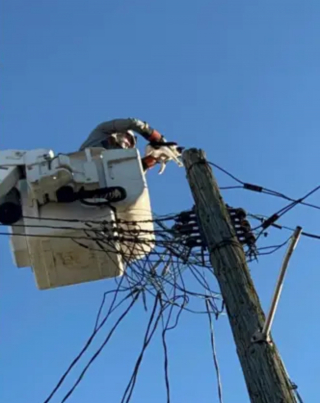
239	213
245	225
188	228
193	222
193	242
242	241
240	232
248	239
184	217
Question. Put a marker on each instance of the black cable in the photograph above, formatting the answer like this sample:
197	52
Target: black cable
156	278
274	248
274	217
182	289
226	172
278	226
96	325
166	359
97	353
165	329
258	188
87	344
163	218
147	338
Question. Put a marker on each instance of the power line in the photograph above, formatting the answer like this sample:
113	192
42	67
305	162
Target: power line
90	339
261	189
98	352
280	226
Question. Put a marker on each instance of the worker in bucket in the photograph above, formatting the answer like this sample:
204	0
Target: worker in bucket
119	133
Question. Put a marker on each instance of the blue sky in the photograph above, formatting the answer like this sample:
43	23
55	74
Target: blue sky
239	79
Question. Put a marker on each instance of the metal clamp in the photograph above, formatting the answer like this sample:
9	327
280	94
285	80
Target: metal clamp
264	334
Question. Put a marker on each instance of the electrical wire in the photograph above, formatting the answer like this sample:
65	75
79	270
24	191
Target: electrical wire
261	189
280	226
97	328
149	276
150	331
98	352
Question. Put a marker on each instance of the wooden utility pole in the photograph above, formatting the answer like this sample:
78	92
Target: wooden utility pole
265	375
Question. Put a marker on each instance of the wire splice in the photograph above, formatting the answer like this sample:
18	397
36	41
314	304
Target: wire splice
254	188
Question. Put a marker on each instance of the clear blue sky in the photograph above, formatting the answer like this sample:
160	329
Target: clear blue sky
239	79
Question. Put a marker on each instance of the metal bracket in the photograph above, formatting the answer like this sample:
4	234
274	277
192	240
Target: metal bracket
260	337
264	334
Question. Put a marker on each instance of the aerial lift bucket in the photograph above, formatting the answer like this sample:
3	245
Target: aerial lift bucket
85	216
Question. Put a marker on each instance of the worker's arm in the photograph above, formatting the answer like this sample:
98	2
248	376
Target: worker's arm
148	162
105	129
136	125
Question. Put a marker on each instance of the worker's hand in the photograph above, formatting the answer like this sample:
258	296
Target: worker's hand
148	162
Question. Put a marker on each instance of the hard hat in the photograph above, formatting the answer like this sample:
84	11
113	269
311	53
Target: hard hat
125	140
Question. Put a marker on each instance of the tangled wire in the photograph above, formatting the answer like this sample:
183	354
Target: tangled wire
175	276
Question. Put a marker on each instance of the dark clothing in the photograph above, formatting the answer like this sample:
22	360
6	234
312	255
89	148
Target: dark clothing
99	136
